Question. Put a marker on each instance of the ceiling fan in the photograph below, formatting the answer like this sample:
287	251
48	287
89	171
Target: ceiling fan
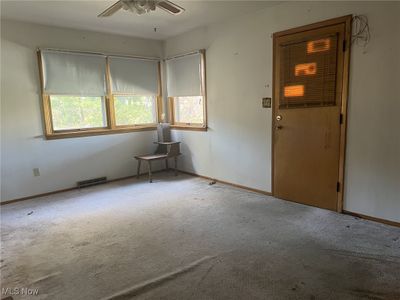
142	6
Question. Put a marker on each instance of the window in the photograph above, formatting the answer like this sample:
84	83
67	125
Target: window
187	92
135	88
188	110
309	76
135	110
77	112
86	94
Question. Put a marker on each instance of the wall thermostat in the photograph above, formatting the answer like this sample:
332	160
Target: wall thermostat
266	102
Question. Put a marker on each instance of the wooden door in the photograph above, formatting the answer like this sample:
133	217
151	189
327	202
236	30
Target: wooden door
310	87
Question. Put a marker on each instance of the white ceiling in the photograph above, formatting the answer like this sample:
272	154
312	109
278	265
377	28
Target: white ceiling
83	15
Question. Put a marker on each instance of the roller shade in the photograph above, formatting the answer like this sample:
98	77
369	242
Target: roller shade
134	76
71	73
184	76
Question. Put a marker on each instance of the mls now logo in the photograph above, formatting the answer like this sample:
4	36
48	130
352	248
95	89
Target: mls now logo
19	291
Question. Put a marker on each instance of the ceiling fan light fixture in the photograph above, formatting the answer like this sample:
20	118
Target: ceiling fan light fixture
170	7
142	6
139	7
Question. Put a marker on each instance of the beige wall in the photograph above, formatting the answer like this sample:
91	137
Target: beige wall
237	147
61	162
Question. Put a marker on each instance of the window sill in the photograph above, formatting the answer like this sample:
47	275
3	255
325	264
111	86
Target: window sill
191	128
102	131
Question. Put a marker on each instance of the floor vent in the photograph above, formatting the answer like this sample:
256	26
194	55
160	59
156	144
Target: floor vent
90	182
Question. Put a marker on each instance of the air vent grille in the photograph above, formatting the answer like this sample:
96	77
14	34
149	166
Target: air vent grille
91	182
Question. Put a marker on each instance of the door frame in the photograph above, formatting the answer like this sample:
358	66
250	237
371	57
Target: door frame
347	21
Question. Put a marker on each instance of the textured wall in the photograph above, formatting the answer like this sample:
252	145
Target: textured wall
237	148
61	162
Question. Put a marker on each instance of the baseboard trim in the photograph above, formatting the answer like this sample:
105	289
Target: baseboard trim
374	219
37	196
228	183
361	216
70	189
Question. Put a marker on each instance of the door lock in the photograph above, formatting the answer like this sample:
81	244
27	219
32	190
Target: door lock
278	117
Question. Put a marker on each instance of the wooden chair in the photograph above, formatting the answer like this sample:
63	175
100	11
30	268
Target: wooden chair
165	150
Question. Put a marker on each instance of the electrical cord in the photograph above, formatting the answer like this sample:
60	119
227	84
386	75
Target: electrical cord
361	33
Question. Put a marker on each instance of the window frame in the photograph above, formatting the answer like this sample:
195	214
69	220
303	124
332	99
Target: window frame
171	102
111	127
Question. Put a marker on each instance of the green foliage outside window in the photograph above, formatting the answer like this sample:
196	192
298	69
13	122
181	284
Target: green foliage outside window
130	110
75	112
189	110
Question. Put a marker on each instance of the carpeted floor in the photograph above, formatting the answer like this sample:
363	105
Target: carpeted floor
181	238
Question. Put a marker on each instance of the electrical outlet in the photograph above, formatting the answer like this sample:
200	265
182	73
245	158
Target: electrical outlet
36	172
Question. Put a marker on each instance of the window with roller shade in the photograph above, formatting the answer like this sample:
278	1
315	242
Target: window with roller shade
135	88
74	105
87	94
186	90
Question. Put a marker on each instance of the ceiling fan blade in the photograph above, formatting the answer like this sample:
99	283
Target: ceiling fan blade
170	7
112	9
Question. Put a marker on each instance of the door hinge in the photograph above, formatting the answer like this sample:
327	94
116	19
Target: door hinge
344	45
341	118
338	186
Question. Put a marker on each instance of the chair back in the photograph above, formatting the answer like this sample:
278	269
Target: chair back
164	132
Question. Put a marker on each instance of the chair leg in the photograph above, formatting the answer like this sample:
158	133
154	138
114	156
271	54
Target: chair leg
150	179
166	164
138	168
176	165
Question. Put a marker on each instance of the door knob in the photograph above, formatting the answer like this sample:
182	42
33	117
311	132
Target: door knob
278	117
279	127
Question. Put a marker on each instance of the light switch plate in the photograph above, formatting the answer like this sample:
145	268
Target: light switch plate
266	102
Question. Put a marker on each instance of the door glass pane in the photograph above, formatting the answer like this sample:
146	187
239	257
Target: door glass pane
308	73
